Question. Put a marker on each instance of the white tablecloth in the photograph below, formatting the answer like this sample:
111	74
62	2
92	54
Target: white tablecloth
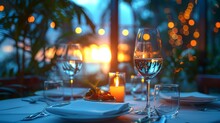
13	110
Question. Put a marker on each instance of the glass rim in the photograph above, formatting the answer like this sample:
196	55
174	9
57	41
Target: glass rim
167	85
148	28
53	81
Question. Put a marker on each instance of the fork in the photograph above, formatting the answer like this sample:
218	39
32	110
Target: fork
43	113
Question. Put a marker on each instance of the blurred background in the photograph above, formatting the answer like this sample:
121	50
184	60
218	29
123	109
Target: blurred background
106	30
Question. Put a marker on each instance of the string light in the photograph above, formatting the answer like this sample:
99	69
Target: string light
31	19
146	37
191	22
125	32
2	8
196	34
170	24
193	43
78	30
101	31
217	24
52	24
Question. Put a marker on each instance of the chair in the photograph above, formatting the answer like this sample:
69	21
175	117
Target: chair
206	83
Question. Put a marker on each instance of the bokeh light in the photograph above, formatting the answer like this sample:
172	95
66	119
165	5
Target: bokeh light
170	24
193	43
146	37
78	30
191	22
31	19
125	32
101	31
196	34
2	8
217	24
52	24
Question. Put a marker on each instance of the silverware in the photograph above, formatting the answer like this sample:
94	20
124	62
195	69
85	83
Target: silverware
30	100
43	113
36	115
148	119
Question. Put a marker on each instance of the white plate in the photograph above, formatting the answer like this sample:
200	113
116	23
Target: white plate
77	92
86	118
196	98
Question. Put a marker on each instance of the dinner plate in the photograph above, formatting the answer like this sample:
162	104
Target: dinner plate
77	92
196	98
86	118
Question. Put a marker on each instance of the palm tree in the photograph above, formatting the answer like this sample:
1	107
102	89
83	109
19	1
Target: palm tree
26	23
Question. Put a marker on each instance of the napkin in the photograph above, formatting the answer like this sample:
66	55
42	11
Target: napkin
83	107
196	97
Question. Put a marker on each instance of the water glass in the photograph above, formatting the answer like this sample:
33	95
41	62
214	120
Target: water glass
53	90
166	100
138	88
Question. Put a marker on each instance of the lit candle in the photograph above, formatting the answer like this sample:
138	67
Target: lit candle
117	89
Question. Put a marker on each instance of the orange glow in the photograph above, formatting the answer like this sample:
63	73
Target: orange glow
180	37
40	55
121	57
190	5
101	31
191	22
146	37
215	29
123	47
196	34
181	17
123	52
175	30
116	81
7	48
217	24
50	53
170	24
185	28
2	8
193	43
178	42
52	24
179	1
167	10
186	33
181	63
97	54
186	15
31	19
174	36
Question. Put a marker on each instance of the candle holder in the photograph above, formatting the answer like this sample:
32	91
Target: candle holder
117	85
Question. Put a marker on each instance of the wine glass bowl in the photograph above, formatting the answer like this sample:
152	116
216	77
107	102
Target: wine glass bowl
148	59
69	61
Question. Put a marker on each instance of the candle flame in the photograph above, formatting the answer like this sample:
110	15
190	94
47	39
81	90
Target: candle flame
116	81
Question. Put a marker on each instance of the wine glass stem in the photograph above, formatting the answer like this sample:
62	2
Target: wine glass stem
71	88
147	108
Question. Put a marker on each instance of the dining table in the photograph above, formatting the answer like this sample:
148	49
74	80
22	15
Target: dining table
15	109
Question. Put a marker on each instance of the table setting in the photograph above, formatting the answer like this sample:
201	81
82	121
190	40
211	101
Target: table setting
164	103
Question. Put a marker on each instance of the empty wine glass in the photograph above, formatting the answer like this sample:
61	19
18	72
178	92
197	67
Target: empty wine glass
148	59
69	60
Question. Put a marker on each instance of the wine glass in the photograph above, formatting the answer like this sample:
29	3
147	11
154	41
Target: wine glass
147	59
69	61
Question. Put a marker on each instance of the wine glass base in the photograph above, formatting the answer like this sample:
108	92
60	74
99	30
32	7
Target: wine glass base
145	112
141	112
